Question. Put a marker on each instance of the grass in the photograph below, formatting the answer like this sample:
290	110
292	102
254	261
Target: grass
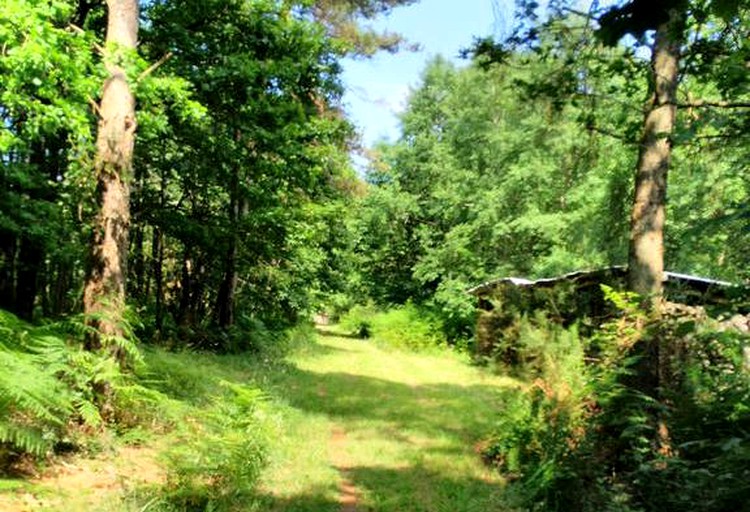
400	429
411	423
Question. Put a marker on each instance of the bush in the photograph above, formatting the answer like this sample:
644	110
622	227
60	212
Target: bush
337	305
219	468
405	327
544	422
358	320
48	381
34	404
589	434
217	428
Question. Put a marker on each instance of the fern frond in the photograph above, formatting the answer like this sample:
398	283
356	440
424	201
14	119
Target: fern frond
88	411
34	402
24	438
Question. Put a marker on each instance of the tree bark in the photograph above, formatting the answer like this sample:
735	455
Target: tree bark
104	291
31	259
157	256
8	247
186	288
60	283
227	289
646	254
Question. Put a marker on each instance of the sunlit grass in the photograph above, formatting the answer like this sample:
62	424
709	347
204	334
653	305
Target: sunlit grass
412	422
407	428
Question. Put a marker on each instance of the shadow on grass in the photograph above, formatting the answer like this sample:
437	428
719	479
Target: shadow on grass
318	349
456	415
330	333
416	489
156	499
378	489
464	413
412	489
309	502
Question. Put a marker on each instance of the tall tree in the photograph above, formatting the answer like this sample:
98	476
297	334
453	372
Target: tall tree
270	141
686	39
104	291
646	254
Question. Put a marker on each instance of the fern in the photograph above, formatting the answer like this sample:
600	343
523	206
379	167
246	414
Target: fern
88	411
26	439
47	379
34	403
221	468
125	344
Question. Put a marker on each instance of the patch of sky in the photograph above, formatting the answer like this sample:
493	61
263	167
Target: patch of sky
377	88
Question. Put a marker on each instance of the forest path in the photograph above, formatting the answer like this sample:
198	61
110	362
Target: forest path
369	429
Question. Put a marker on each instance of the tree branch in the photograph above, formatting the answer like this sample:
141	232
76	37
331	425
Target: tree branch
587	15
94	106
78	29
154	66
614	135
716	104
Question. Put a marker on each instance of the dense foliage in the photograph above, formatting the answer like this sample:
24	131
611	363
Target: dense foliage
239	161
240	216
228	213
583	435
487	182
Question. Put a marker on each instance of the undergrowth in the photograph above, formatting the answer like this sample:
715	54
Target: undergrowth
406	327
209	420
588	434
216	423
215	458
48	386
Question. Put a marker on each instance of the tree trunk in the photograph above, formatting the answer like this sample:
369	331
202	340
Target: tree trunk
8	246
157	257
31	259
60	286
186	289
104	291
227	290
139	266
646	255
225	299
228	287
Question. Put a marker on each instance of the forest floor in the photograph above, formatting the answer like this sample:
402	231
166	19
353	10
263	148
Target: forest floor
358	428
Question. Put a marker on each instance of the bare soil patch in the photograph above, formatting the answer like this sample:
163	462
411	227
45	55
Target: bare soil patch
347	490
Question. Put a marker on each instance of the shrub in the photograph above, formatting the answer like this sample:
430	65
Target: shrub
358	320
34	404
594	436
221	470
47	381
407	327
543	423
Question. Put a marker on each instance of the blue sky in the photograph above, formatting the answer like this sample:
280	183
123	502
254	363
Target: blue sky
377	88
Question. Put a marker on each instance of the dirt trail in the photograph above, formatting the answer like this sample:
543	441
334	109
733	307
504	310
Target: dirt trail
340	460
84	484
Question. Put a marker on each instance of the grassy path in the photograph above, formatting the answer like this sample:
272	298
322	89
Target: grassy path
374	430
352	428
